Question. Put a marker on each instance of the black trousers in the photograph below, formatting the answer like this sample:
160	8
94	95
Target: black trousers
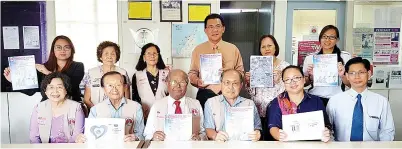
265	134
203	95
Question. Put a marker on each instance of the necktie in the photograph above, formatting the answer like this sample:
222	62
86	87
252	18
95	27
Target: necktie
215	48
178	109
357	122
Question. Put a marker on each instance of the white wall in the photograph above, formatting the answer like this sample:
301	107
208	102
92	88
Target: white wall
21	105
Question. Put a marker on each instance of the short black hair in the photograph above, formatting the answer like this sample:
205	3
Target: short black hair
48	79
110	73
213	16
238	72
141	65
273	40
357	60
292	67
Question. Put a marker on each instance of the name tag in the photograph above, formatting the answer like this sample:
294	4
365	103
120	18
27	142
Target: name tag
96	82
375	117
41	120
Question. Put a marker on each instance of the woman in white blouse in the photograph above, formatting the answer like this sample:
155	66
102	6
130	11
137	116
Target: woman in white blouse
329	36
262	96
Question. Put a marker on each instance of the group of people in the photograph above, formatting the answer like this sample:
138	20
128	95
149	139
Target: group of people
350	111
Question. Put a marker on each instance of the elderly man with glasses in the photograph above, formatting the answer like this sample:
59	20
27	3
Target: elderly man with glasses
176	103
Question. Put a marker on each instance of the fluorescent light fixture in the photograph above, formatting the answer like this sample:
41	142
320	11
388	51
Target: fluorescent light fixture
238	10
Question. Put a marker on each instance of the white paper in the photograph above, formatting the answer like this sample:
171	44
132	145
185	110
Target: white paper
31	37
395	79
23	72
210	66
178	127
386	49
303	126
325	70
363	42
239	122
261	71
380	77
11	38
104	132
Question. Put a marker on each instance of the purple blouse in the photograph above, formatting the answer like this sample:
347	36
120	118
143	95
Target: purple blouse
57	134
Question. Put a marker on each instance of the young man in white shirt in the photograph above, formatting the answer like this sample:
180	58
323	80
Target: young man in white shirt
359	114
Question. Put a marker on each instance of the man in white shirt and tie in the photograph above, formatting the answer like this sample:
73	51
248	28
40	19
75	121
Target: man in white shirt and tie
359	114
175	103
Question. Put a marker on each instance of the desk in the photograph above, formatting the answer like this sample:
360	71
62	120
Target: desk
61	145
270	144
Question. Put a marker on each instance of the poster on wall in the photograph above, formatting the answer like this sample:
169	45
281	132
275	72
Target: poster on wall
198	12
306	48
386	47
141	37
395	78
31	37
171	10
380	78
140	10
11	38
363	42
185	37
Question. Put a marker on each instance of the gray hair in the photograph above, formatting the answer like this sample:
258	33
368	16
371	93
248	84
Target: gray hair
234	70
177	71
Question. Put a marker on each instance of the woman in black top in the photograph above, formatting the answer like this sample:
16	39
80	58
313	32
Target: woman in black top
60	60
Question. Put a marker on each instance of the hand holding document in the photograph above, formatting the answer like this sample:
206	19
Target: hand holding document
325	70
210	68
104	132
178	127
303	126
239	122
23	72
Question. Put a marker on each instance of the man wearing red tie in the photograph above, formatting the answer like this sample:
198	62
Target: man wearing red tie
175	103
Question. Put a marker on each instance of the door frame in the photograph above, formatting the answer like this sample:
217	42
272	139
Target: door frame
339	6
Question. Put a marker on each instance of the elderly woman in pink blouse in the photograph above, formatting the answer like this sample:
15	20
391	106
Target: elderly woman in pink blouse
263	96
56	119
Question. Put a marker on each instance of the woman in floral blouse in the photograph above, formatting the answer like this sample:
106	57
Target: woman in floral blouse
263	96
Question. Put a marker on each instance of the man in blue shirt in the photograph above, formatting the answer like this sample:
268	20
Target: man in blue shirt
116	106
359	114
216	108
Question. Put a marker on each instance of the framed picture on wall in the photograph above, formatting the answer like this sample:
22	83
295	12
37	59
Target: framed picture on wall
198	12
171	10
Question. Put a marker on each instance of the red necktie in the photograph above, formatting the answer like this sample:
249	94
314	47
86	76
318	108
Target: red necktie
178	109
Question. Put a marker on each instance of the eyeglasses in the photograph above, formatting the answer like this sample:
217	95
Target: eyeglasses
228	83
52	88
211	27
360	73
110	86
60	48
151	54
329	37
294	79
175	83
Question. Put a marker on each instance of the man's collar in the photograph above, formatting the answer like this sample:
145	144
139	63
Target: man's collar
237	101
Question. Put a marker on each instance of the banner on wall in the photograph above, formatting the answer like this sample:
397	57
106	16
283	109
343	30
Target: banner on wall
386	47
306	48
363	42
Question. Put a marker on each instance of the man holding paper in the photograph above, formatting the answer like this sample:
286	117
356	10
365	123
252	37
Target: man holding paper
359	114
308	125
229	116
175	117
118	107
214	27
